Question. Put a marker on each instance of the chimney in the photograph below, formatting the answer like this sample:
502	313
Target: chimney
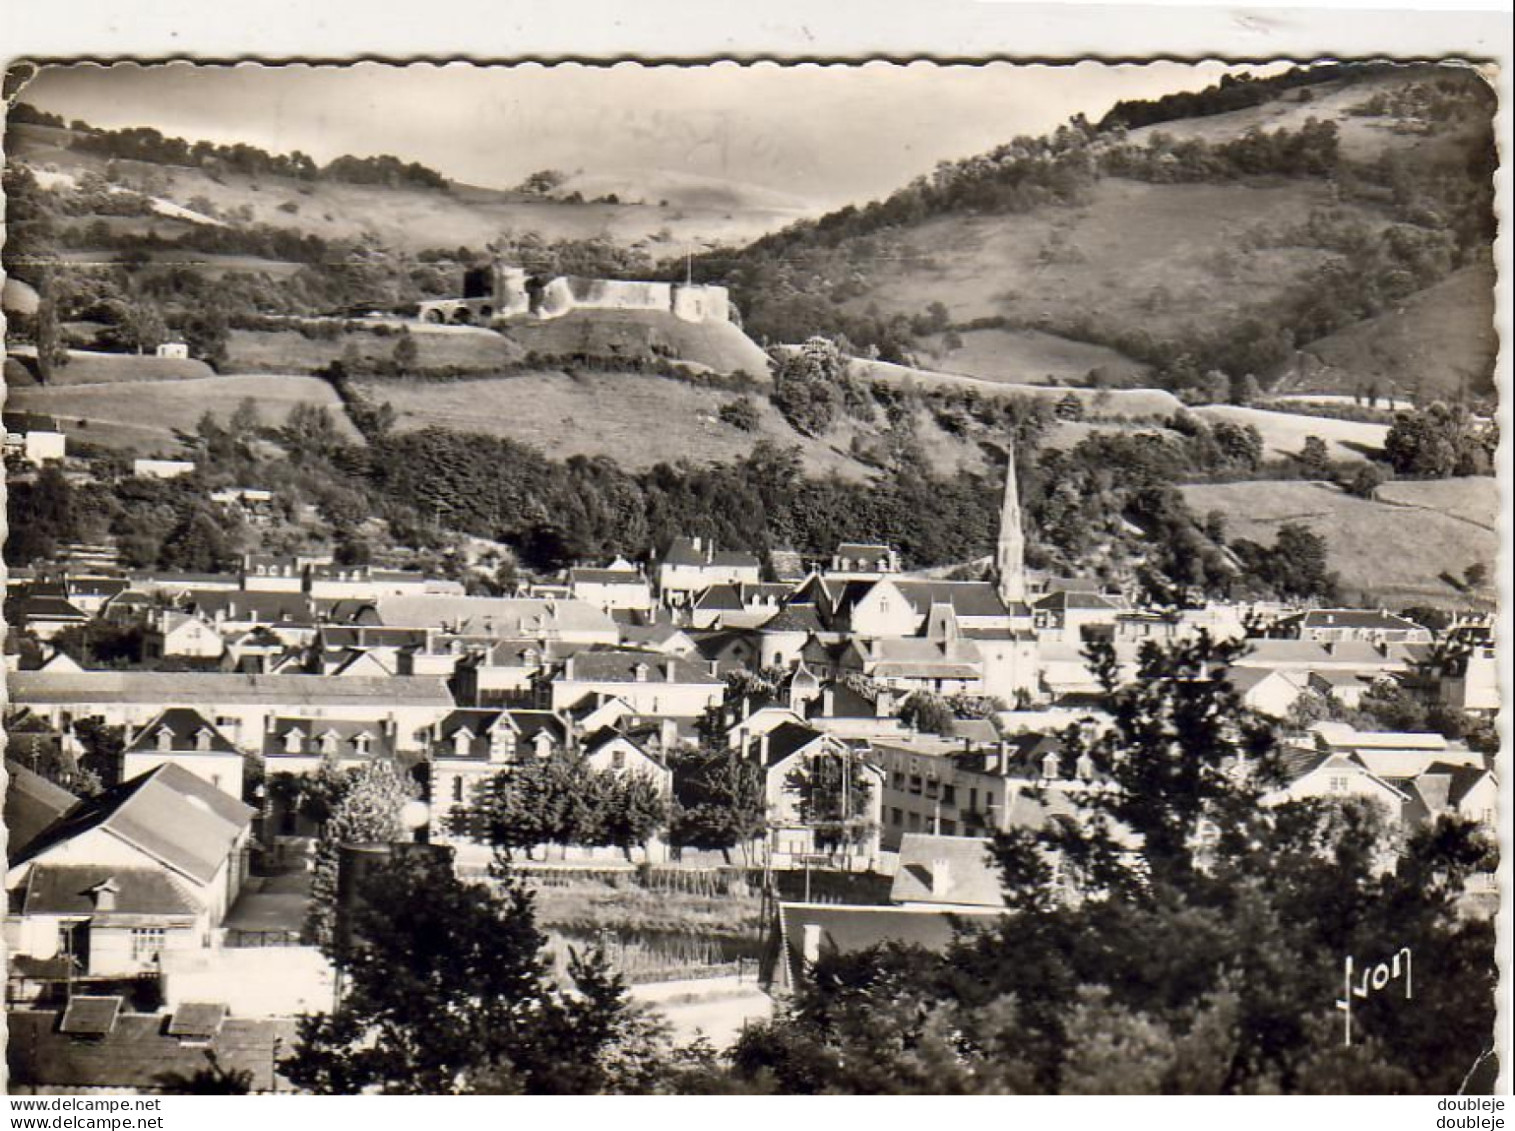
668	735
763	750
697	542
568	668
810	948
941	877
1002	760
670	671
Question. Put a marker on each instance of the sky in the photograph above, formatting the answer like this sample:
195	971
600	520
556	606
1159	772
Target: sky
826	135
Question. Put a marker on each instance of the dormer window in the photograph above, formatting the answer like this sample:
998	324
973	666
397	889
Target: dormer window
203	739
543	744
1085	767
294	739
361	744
1050	766
328	744
501	743
165	739
641	673
461	739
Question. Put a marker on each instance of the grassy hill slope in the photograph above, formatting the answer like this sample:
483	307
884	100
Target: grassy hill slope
1441	339
719	346
416	218
1392	554
145	417
639	420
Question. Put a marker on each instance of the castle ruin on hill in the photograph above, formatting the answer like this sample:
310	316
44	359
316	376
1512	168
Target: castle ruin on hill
500	291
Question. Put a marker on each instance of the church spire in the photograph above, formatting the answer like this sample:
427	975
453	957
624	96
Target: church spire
1010	555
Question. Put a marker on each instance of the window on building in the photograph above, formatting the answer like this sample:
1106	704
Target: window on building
949	828
1338	785
457	789
147	943
618	759
949	794
915	822
973	799
896	816
915	783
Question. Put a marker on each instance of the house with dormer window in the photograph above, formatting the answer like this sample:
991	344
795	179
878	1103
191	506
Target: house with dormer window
149	865
184	737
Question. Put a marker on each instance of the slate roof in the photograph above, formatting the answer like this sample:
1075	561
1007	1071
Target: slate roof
47	608
967	598
348	733
209	688
340	636
23	422
267	608
167	813
184	726
971	876
683	553
794	618
65	889
619	665
1068	599
589	575
786	738
139	1053
32	803
720	598
1366	619
494	616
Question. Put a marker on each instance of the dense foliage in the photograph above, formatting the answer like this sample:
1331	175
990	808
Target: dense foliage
1175	935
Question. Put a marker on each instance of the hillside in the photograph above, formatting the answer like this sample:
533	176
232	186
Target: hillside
412	218
639	420
718	346
1395	552
1441	340
1233	242
147	417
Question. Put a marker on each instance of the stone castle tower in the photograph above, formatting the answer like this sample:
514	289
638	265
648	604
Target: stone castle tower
1010	555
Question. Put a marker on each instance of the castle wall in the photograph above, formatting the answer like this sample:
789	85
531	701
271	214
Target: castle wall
512	293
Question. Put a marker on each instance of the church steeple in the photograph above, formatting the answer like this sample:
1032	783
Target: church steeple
1010	556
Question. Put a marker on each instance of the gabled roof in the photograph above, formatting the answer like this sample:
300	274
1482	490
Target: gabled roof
269	608
1463	778
619	665
347	738
32	803
794	618
1067	599
603	737
167	813
68	889
720	598
588	575
139	1053
946	869
967	598
501	617
48	608
1366	619
787	738
682	552
184	727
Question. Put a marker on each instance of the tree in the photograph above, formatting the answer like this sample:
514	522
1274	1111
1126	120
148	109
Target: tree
740	413
807	385
406	354
51	353
368	811
720	800
1069	407
212	1080
447	992
1366	480
928	713
1439	441
832	791
1315	458
1181	930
